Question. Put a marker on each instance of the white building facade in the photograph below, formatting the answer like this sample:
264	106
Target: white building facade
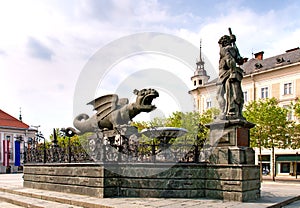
14	137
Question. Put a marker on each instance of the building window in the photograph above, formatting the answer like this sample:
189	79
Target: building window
284	167
200	81
208	104
287	88
266	158
290	113
264	92
246	96
195	83
197	104
11	150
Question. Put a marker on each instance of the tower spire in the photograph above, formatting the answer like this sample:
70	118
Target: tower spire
200	63
20	116
200	77
200	56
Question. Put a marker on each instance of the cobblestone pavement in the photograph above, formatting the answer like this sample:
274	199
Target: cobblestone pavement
11	185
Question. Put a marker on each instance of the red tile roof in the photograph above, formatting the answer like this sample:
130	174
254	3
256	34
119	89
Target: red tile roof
7	120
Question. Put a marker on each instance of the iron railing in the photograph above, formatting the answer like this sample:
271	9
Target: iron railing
115	150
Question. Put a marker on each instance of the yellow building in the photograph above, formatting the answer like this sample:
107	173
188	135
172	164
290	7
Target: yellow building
277	76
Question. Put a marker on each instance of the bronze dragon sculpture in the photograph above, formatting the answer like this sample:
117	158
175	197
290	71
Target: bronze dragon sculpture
113	112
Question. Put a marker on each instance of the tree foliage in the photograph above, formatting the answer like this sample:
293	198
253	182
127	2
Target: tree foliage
271	123
64	141
271	126
296	108
192	121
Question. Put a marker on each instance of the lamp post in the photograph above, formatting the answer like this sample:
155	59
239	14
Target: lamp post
41	136
69	133
28	149
296	163
37	131
55	147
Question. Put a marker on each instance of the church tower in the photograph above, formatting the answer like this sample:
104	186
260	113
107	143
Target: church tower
200	77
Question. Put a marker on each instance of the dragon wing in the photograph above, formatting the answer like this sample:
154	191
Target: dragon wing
104	105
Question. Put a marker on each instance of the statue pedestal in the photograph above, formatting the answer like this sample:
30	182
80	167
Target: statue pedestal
230	145
231	139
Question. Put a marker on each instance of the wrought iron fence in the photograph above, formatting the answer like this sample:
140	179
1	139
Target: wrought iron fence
72	154
121	149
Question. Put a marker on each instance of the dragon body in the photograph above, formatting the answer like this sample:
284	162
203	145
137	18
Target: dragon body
113	112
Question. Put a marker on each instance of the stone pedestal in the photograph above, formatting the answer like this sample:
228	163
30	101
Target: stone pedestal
182	180
230	133
229	142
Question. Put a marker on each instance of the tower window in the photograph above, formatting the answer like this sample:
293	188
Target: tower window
200	81
195	83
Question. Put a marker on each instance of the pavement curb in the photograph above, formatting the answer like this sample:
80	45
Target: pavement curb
286	202
75	202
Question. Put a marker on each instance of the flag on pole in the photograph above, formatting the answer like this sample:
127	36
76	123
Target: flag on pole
17	153
5	152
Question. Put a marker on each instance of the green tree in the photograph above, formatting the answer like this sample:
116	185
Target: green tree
64	141
272	126
192	121
296	108
73	146
294	135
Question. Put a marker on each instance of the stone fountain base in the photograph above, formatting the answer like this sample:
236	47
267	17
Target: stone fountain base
228	182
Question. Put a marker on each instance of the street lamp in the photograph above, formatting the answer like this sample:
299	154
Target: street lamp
69	132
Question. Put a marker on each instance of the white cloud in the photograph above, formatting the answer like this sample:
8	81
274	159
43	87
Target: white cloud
72	31
273	32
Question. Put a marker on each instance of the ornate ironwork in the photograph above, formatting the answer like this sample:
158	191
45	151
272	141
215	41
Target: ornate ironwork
56	155
103	147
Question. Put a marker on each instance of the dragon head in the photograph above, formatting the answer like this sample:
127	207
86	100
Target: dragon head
144	99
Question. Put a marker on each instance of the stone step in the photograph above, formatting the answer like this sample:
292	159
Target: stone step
26	201
16	194
8	205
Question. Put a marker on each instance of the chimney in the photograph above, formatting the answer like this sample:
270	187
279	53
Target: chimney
259	55
293	49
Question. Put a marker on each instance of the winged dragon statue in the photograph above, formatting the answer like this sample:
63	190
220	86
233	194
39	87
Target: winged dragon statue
114	112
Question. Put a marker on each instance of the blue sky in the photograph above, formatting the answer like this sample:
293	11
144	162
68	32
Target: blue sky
44	45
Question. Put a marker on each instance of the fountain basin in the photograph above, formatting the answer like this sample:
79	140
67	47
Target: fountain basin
164	132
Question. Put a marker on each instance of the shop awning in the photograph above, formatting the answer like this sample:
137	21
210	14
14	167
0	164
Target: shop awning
287	158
